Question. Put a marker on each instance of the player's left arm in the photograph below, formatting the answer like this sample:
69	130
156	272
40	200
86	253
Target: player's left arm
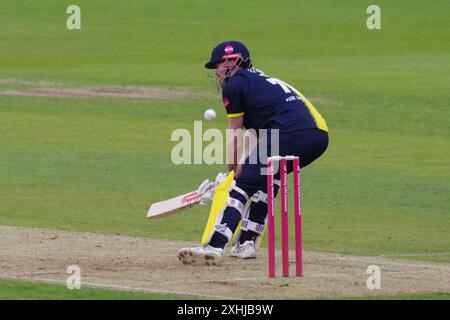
234	145
233	99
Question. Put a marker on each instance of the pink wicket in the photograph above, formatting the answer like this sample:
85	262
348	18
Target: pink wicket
284	216
284	219
298	220
270	220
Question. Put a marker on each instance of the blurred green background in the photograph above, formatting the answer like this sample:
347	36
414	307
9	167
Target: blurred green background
96	164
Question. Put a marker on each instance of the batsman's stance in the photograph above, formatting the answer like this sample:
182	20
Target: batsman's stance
252	101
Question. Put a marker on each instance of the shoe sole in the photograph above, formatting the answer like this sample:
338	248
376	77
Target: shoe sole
189	257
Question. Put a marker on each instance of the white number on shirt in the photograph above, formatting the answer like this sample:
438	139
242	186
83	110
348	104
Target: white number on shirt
282	84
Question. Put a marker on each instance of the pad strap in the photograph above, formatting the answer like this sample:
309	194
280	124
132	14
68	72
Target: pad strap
224	230
247	225
259	196
242	192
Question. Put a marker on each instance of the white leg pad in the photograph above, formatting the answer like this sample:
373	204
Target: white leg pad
242	192
224	230
247	224
235	203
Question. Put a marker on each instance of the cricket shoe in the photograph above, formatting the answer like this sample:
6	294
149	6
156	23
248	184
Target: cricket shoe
208	255
245	250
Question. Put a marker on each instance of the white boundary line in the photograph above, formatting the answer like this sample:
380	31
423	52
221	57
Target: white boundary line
434	254
369	259
215	281
33	275
117	287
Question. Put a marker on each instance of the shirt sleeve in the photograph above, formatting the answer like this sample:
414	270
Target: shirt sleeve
233	97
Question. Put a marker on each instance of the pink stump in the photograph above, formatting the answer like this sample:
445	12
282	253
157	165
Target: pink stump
298	220
270	220
284	219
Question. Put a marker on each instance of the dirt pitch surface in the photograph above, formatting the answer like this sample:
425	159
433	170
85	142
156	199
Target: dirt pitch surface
150	265
44	88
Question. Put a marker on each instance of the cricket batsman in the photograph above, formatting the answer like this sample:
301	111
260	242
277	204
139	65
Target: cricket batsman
259	102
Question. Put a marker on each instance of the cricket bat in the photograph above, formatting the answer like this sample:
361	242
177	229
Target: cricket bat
174	205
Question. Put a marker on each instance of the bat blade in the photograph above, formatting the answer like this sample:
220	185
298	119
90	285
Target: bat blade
174	205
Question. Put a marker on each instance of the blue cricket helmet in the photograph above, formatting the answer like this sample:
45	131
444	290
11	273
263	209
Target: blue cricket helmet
228	50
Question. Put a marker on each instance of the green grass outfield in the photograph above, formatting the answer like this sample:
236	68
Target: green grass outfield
22	290
96	164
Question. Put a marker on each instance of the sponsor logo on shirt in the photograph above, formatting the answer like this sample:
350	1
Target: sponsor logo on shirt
226	102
